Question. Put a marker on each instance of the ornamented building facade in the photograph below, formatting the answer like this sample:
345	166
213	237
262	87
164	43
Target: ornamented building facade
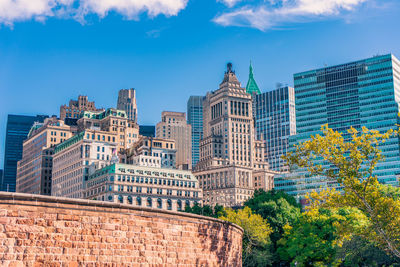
76	107
144	186
231	160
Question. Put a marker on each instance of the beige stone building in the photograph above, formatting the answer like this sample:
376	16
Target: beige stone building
230	158
163	149
34	171
127	102
76	107
75	158
173	126
113	121
143	185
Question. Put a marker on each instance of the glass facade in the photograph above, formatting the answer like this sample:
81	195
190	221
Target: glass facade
147	130
17	131
362	93
195	119
275	121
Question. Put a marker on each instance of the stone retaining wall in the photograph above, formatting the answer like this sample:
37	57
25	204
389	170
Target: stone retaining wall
49	231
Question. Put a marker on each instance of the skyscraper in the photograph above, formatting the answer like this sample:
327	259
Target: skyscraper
76	107
18	127
173	126
195	119
127	103
275	121
232	163
362	93
252	87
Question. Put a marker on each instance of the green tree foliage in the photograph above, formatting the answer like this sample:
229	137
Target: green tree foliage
360	252
353	161
317	234
255	237
206	210
277	207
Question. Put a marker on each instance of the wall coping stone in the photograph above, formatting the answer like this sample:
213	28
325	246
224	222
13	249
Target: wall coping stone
34	199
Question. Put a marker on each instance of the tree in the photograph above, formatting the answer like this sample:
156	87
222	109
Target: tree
352	164
317	234
206	210
277	207
255	237
360	252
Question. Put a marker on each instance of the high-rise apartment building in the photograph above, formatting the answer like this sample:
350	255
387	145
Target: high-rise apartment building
173	126
127	102
195	119
162	149
112	121
77	157
230	157
34	172
76	107
17	131
362	93
275	119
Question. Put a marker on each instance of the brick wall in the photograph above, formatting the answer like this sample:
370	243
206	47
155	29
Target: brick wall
48	231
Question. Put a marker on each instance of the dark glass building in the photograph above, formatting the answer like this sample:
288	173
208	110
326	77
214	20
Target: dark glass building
18	127
356	94
275	122
195	119
147	130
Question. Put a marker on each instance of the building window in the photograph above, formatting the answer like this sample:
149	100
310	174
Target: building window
130	199
159	203
121	199
149	202
179	205
169	204
139	201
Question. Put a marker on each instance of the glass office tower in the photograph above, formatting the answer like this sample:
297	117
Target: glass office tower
195	118
17	131
275	120
362	93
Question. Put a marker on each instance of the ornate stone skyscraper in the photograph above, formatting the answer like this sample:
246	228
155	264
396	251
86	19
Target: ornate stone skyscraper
127	102
232	163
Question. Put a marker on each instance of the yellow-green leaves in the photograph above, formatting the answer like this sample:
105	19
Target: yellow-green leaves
353	160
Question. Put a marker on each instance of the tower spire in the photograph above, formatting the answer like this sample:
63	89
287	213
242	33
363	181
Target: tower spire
252	86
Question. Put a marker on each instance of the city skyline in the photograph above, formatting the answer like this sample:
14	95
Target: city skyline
97	61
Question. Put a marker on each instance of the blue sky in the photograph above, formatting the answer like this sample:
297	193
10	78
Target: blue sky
54	50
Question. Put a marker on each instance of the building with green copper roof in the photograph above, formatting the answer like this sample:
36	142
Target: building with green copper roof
252	86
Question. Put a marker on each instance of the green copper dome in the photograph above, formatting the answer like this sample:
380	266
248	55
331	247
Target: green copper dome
252	86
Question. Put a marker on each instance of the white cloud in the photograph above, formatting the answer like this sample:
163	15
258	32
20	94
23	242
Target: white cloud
20	10
277	12
229	3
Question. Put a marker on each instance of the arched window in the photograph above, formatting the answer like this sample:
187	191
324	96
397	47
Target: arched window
139	201
159	203
110	198
187	203
149	202
121	199
130	200
169	204
179	205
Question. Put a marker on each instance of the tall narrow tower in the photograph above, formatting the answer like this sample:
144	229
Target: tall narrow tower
127	102
232	162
